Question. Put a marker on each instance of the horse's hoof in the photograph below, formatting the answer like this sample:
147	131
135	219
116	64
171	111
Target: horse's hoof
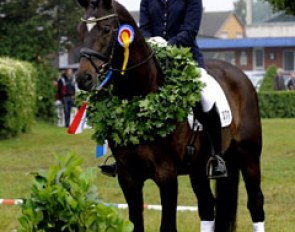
109	169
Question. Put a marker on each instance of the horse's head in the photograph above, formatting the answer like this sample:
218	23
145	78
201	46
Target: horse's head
98	30
107	29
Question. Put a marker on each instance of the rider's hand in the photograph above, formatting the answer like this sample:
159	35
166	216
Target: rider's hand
158	40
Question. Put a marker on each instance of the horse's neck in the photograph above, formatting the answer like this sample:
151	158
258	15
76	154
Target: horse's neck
141	80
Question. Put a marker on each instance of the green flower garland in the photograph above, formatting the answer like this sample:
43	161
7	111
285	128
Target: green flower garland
144	119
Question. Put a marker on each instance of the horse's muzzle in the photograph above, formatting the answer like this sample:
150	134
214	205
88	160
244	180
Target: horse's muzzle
85	81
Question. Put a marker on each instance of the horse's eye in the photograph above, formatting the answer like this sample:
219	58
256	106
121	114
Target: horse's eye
106	29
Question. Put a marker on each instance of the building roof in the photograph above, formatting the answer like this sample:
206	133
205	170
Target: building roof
281	18
212	22
245	43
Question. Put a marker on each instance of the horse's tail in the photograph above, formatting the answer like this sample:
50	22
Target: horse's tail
227	197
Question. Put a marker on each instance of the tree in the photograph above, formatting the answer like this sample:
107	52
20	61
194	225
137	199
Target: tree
261	11
267	83
31	30
240	10
285	5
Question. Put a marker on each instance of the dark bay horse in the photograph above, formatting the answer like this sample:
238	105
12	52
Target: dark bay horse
160	160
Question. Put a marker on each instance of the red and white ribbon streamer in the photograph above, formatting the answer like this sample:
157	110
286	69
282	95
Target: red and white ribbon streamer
78	123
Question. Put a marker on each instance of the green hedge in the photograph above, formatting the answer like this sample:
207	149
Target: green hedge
45	91
17	97
277	104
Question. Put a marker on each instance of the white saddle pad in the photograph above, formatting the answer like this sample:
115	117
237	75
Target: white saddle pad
212	94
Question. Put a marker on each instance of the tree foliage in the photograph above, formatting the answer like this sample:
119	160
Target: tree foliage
267	84
285	5
17	97
31	30
240	10
261	11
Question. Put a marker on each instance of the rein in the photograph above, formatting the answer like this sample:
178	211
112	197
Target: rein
151	55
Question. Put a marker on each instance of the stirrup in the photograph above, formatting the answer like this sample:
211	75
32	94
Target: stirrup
108	169
216	167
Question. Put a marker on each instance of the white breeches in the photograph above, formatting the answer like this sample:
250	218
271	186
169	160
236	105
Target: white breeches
212	94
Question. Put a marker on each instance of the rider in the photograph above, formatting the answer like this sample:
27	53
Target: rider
177	23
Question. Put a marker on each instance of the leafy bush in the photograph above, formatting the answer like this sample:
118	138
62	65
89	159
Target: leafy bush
65	199
267	84
46	74
17	97
277	104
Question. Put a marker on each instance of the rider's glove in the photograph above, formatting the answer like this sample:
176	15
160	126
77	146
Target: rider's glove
158	40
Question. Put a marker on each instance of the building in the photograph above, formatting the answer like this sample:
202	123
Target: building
252	47
224	25
252	53
280	25
216	24
266	43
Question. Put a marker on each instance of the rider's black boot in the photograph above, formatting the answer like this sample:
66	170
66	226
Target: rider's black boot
216	166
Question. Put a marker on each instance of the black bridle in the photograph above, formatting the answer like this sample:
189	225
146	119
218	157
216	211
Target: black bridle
91	54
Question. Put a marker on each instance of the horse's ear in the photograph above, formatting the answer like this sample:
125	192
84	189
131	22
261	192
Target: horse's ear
83	3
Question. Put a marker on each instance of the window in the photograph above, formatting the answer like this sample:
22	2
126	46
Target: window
243	58
223	35
289	60
258	58
228	56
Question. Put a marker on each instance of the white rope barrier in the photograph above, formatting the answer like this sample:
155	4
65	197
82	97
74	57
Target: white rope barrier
119	206
11	201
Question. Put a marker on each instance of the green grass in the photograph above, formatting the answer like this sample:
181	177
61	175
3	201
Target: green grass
34	151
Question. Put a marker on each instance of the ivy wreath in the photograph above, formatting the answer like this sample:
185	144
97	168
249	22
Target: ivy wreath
127	122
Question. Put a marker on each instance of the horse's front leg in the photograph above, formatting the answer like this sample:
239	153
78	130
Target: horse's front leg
132	189
166	179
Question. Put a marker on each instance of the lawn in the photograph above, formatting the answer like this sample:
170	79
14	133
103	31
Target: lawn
34	151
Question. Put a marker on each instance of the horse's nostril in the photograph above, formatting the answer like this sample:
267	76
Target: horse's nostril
85	81
88	77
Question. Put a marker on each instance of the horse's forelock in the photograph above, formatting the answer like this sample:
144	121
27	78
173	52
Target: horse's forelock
94	3
107	4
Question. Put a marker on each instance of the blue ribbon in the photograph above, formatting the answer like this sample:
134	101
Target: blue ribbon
107	78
